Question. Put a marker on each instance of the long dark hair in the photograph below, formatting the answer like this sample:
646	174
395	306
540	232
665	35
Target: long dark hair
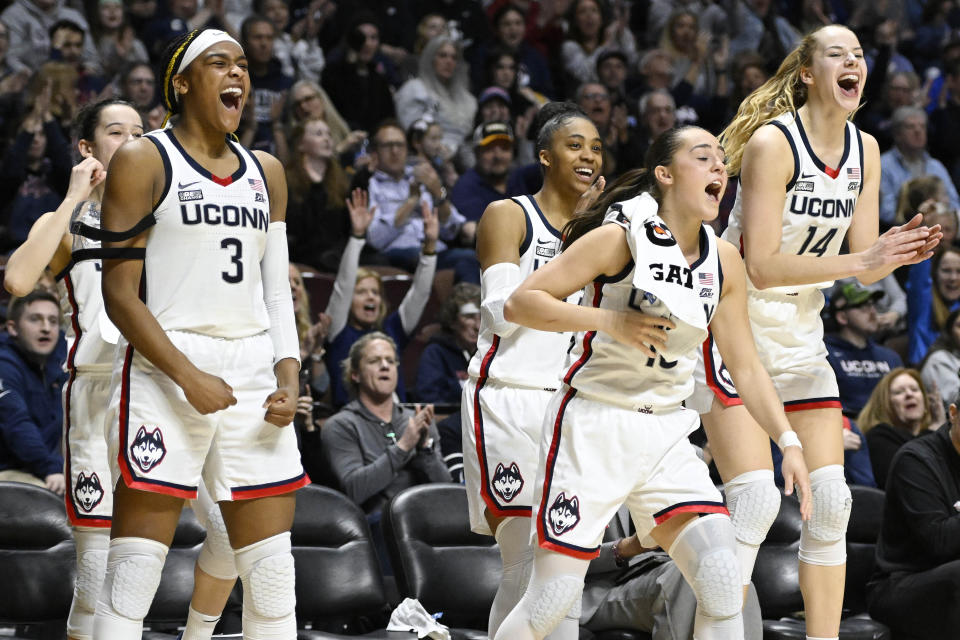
628	185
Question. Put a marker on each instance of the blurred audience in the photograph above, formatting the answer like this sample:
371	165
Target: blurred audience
440	92
941	367
594	28
32	354
930	299
858	361
375	447
899	410
442	370
491	178
917	573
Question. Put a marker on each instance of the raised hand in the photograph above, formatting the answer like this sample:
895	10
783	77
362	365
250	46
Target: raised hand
431	226
586	200
361	213
84	177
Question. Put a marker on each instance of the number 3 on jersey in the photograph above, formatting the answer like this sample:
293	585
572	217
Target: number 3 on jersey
235	247
820	246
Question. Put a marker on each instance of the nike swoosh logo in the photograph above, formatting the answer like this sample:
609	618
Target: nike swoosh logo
180	185
808	175
539	241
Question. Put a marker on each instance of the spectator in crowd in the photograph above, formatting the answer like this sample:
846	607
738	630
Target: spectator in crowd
613	72
426	144
901	89
592	31
397	192
355	82
493	105
464	16
440	92
909	159
269	90
317	222
299	53
36	169
307	100
688	47
622	143
490	179
941	367
656	70
899	410
177	17
501	72
358	305
66	47
114	39
443	363
29	23
138	87
375	447
757	27
749	72
943	121
858	361
430	26
510	32
12	84
658	113
930	299
916	578
31	418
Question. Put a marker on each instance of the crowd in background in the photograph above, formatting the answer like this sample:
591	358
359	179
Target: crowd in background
399	121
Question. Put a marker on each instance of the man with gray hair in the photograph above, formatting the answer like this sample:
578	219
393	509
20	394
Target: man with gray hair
909	159
658	113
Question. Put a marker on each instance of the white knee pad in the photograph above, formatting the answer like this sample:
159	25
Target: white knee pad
133	575
92	546
705	554
516	551
754	502
269	599
553	601
216	557
823	537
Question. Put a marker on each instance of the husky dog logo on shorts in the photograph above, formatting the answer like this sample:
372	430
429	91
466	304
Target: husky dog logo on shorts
87	491
507	481
564	514
659	234
147	449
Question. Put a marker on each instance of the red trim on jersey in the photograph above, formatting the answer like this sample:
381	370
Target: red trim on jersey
709	371
272	489
74	320
687	507
806	405
223	182
830	171
587	338
570	550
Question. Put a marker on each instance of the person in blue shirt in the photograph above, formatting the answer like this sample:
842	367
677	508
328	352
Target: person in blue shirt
31	378
858	361
490	179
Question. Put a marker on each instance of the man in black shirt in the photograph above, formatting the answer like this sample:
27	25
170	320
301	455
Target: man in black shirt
916	584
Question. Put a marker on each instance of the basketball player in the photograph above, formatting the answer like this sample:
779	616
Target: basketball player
514	369
805	180
616	431
75	261
209	360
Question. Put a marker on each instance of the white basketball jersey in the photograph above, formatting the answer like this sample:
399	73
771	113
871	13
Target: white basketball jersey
819	207
91	336
201	272
612	372
527	357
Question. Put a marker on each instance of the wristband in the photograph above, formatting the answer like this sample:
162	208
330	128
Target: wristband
789	439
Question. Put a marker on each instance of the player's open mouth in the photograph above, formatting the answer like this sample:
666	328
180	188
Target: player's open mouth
231	97
849	84
584	174
714	190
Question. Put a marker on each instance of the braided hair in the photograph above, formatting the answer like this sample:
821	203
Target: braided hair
169	61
